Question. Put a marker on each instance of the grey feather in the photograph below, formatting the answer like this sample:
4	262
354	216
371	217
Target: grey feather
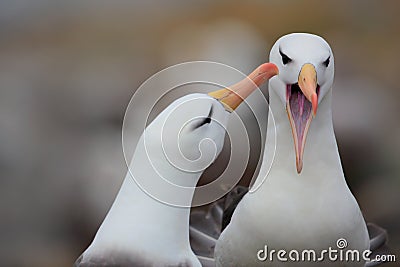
119	260
378	243
232	199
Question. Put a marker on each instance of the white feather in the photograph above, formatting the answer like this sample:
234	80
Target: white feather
290	211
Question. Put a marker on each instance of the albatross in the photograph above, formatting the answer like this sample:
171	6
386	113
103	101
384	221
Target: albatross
148	223
300	200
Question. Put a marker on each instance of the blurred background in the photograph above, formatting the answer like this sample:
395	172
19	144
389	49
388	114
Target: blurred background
69	68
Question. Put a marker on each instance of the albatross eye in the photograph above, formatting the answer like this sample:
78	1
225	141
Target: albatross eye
326	62
285	58
205	120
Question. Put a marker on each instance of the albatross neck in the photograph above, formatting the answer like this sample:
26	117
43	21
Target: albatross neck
135	212
321	161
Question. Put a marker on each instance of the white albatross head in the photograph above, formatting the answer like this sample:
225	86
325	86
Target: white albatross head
306	74
191	130
188	135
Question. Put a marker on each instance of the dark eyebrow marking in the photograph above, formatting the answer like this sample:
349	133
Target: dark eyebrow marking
326	62
205	120
211	111
285	58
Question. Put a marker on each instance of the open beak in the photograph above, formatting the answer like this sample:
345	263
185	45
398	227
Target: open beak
301	107
232	96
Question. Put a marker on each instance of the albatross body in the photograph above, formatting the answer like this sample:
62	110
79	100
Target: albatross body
304	202
148	223
139	229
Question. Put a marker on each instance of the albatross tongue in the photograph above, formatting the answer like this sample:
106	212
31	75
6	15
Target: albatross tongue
299	110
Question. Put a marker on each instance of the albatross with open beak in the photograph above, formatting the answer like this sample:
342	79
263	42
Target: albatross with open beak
141	230
304	202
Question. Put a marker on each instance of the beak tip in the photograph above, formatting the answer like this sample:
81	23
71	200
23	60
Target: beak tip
314	102
299	168
269	70
299	164
232	97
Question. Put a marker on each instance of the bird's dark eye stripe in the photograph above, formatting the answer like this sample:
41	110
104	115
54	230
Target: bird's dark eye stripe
211	111
285	58
206	120
203	122
326	62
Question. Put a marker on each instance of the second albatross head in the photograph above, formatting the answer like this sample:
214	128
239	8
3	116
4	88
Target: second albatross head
190	132
306	67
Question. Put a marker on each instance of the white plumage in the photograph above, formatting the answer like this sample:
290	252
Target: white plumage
308	206
140	229
148	224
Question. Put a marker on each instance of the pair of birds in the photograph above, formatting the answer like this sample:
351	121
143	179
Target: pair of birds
302	202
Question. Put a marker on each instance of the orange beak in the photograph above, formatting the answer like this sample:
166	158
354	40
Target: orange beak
234	95
301	106
308	85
